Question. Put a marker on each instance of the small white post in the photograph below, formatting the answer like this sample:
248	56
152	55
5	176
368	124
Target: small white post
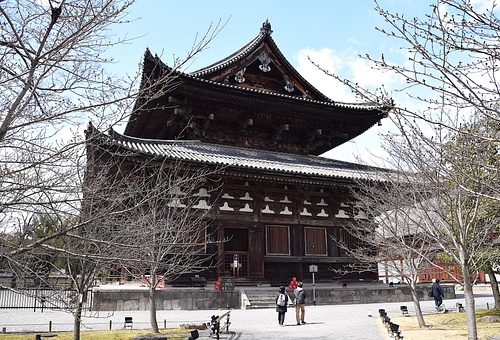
313	269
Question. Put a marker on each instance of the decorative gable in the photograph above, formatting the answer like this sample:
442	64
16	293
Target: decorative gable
261	66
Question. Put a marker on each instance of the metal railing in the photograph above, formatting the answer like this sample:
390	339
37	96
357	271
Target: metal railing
37	298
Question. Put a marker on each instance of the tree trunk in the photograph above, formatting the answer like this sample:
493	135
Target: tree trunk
77	320
470	307
416	304
152	306
494	286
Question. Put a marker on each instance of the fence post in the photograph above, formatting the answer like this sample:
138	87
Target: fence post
34	302
110	324
50	326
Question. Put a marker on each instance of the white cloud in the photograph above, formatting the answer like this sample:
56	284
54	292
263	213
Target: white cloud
329	60
368	77
346	66
483	5
349	66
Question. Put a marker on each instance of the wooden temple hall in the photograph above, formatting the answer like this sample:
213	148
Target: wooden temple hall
281	205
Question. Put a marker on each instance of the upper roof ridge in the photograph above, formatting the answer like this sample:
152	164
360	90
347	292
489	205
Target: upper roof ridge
265	31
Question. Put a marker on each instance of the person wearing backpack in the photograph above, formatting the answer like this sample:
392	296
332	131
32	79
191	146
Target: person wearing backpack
281	304
300	303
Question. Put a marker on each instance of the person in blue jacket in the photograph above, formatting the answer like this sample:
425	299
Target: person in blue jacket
437	293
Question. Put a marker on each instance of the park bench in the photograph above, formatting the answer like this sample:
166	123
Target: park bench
42	335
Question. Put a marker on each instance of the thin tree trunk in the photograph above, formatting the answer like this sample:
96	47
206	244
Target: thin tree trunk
416	304
470	306
77	320
494	286
152	306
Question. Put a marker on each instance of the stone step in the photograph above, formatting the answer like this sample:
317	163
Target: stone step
261	298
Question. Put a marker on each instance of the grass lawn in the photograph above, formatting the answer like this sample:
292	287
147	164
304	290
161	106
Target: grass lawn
172	334
446	326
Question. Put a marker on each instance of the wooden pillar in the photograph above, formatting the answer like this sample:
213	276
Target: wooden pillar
256	251
220	251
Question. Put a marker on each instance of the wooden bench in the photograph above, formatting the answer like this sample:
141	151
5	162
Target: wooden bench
42	335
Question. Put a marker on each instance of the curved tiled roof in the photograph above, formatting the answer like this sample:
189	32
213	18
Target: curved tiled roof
244	158
232	58
384	107
358	106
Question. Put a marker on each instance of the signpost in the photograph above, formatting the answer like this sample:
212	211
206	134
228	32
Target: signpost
313	269
226	283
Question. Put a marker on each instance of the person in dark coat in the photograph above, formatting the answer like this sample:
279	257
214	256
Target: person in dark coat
300	300
437	293
281	309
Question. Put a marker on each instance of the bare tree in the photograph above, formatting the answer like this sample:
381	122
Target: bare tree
430	209
53	80
163	228
451	73
393	236
472	154
172	236
146	219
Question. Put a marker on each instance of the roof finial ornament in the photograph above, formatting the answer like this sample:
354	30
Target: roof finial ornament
266	28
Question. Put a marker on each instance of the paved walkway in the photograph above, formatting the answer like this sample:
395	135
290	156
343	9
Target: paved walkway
323	322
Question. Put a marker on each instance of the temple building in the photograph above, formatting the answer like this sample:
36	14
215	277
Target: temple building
281	205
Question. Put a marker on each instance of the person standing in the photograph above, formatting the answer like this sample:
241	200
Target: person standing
437	293
281	305
300	303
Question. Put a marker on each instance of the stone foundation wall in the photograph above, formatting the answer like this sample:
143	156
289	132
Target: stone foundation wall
397	293
208	299
184	299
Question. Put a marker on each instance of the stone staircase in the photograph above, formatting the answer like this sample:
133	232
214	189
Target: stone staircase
261	298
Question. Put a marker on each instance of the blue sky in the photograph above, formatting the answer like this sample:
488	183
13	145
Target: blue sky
330	32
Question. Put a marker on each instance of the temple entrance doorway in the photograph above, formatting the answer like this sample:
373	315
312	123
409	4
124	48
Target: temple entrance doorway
236	252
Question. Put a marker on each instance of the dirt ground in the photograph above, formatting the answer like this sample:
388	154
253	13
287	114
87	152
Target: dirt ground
445	326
